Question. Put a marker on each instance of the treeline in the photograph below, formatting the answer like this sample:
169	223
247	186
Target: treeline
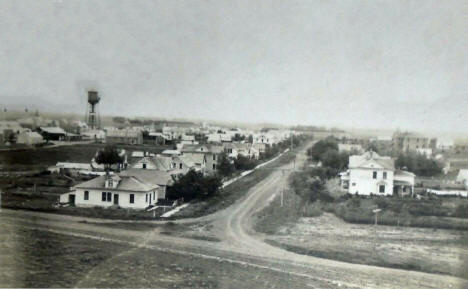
418	164
326	152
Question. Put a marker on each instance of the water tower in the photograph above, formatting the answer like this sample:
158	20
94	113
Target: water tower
92	117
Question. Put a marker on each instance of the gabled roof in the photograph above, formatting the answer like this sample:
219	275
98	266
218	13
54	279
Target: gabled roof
162	163
403	173
202	148
126	183
369	159
161	178
171	152
53	130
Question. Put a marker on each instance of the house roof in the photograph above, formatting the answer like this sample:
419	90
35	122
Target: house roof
462	175
53	130
203	148
403	173
161	178
76	166
368	158
126	183
162	163
171	152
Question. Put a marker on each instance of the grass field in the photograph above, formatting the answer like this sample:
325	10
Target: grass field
420	249
41	158
39	259
417	244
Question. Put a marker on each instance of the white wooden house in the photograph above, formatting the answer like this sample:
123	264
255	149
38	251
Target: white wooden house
371	174
133	189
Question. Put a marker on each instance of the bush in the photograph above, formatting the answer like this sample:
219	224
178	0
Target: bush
194	185
225	167
243	163
461	211
382	203
418	164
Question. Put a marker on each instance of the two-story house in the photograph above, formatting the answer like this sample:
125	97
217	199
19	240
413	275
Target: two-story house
209	152
372	174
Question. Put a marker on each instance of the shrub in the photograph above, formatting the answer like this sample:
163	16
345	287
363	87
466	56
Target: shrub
194	185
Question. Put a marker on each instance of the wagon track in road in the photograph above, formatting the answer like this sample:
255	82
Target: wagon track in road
241	245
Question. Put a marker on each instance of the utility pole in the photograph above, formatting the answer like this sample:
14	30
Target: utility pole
282	189
375	211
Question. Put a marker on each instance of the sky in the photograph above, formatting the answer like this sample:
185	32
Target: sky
367	64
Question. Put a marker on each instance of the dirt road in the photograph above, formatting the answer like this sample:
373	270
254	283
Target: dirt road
239	245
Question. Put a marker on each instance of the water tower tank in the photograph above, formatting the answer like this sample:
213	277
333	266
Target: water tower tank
93	97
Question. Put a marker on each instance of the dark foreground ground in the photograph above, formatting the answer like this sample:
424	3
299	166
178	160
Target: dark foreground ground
40	259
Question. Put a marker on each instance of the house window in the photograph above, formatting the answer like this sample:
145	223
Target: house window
385	175
180	166
381	189
144	166
109	197
214	157
214	166
110	183
404	189
154	195
103	196
374	175
132	198
354	184
86	195
146	198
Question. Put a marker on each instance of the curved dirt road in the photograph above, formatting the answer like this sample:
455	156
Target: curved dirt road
238	244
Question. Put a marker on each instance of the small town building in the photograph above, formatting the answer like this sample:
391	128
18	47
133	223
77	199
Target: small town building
134	189
209	152
407	141
53	133
372	174
351	148
124	136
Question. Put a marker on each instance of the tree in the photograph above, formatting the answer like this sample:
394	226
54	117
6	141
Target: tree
238	137
321	147
243	163
108	157
225	167
194	185
418	164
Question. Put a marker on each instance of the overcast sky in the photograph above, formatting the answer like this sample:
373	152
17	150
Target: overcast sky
336	63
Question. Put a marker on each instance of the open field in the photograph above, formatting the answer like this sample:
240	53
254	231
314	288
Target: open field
41	259
420	249
324	235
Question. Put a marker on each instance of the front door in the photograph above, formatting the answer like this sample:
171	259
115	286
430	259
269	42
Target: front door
116	199
71	199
